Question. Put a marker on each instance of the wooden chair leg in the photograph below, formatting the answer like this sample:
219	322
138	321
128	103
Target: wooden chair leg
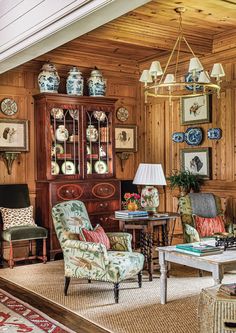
30	248
11	260
140	279
116	292
44	251
67	282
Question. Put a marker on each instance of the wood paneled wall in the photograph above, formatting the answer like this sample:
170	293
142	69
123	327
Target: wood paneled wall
156	121
21	84
162	120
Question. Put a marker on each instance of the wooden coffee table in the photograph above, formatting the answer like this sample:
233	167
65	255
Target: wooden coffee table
216	264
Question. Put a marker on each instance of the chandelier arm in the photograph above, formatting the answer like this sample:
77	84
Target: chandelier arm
185	40
169	59
177	56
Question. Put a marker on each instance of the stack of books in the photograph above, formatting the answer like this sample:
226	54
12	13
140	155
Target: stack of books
128	213
228	289
198	249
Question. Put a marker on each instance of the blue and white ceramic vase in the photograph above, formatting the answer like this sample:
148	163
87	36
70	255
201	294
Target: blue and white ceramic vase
75	82
48	79
96	84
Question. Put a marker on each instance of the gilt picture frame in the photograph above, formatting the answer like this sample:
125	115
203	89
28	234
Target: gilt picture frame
195	110
14	135
126	138
196	161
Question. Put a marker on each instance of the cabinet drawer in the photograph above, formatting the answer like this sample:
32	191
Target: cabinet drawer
94	207
69	192
105	221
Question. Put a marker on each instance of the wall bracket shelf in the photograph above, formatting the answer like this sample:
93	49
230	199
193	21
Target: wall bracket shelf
8	158
124	156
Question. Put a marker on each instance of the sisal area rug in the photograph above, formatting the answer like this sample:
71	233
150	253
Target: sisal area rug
18	316
138	311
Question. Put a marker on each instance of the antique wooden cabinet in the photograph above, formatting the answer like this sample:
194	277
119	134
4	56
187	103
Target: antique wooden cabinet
75	158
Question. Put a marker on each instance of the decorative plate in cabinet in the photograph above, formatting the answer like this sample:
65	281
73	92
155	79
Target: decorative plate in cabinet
62	133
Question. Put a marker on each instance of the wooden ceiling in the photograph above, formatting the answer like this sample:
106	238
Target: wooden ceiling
151	30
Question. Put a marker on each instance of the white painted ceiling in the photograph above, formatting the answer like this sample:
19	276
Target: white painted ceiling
29	28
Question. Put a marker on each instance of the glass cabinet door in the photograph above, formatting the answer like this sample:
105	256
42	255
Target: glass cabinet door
98	143
65	127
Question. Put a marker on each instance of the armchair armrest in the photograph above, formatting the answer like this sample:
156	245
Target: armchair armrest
191	234
96	252
120	241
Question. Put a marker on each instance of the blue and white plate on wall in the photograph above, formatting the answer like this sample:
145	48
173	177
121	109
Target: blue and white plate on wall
214	133
178	137
189	78
193	136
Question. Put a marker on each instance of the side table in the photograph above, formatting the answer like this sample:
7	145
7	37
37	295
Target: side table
216	312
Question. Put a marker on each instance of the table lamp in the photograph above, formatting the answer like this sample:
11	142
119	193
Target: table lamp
149	175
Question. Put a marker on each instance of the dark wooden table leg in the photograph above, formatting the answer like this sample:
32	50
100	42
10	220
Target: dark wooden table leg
150	254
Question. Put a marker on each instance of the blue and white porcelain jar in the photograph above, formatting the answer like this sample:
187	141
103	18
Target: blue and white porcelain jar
48	79
96	84
75	82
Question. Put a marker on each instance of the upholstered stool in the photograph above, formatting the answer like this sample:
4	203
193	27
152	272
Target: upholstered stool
23	233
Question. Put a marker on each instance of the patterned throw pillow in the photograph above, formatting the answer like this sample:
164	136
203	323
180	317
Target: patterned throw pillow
207	226
13	217
98	235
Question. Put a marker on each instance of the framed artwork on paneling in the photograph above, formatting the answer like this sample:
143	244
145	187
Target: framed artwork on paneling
196	161
196	109
126	138
13	135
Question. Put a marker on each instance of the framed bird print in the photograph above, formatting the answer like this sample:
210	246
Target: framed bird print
195	110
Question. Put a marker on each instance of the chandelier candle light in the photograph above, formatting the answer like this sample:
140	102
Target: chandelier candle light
149	175
197	82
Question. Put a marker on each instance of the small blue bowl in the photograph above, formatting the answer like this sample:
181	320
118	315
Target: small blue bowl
214	133
178	137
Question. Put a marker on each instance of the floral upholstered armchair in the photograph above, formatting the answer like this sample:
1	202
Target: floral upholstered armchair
202	216
93	260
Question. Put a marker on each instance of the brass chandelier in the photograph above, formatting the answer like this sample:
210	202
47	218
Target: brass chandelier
197	82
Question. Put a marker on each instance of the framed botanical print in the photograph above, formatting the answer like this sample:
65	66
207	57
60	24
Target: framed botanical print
196	161
196	109
126	138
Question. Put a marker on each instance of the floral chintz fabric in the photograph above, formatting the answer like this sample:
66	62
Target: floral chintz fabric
90	260
191	234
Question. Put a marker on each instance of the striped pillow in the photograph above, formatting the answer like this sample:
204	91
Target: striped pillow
98	235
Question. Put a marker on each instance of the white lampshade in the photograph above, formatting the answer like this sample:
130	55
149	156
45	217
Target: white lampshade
204	77
149	174
195	65
217	70
170	78
145	76
155	69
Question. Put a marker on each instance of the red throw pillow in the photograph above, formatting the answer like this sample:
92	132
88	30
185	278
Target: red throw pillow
207	226
98	235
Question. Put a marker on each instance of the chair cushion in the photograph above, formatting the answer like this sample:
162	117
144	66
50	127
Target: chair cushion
124	265
207	226
24	233
13	217
98	235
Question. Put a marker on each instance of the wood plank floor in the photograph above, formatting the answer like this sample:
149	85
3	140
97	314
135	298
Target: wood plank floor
58	313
